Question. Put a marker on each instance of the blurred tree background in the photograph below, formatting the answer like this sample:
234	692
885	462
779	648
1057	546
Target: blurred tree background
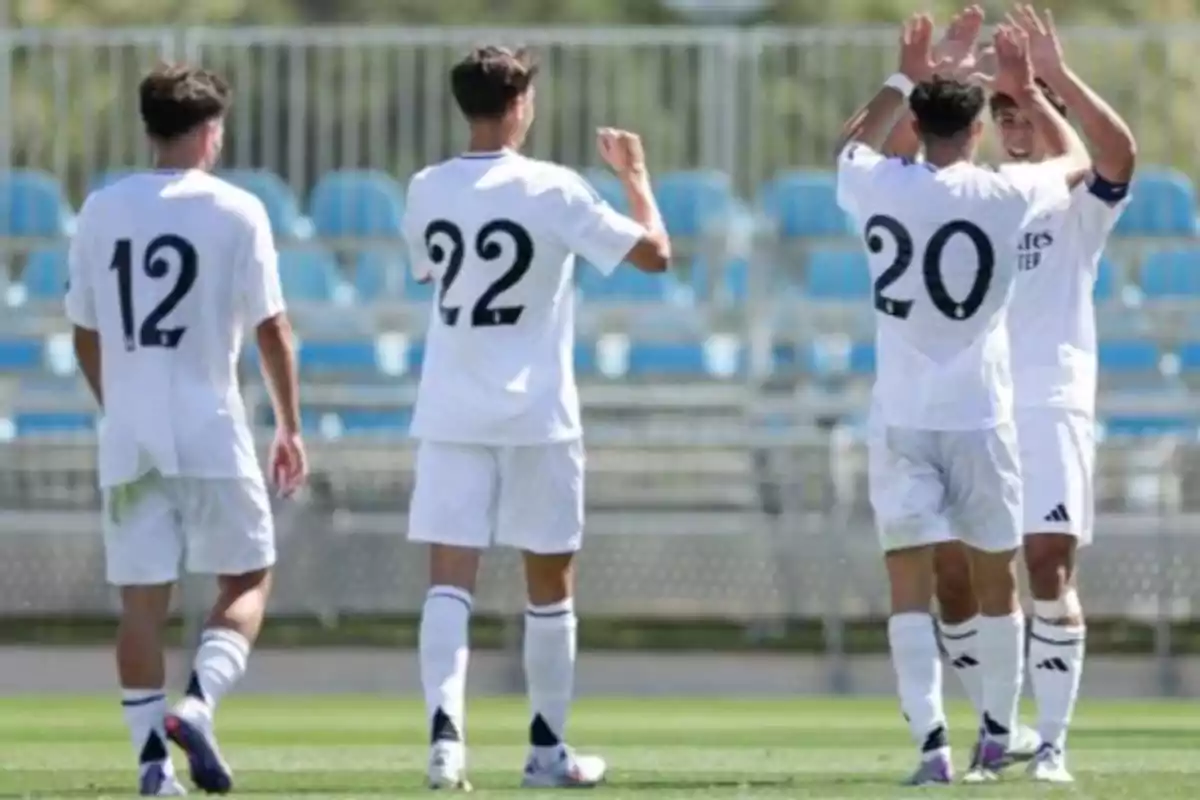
771	97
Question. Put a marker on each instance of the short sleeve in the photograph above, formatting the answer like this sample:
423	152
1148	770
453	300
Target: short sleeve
1096	216
80	300
262	293
858	167
1042	188
590	227
414	237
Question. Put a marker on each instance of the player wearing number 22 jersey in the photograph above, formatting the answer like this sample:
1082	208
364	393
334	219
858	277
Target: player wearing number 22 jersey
500	457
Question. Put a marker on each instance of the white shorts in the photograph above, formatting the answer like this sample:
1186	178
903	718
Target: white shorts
929	487
1058	459
221	526
530	498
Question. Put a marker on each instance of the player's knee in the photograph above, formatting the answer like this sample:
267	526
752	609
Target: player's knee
549	577
1050	559
910	576
955	592
454	566
995	582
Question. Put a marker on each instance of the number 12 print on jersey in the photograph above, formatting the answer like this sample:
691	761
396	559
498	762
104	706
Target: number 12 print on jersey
149	334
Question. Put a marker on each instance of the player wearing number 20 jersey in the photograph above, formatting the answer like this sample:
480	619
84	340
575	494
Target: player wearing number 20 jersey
942	248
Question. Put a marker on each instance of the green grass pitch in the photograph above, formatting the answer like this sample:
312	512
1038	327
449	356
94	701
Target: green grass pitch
368	747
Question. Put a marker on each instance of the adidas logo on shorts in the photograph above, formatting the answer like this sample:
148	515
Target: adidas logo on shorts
1059	514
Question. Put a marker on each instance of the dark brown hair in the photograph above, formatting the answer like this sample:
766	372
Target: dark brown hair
489	79
945	108
998	102
174	99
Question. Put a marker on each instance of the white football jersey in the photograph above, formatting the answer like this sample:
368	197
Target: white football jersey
942	249
170	268
1052	319
497	233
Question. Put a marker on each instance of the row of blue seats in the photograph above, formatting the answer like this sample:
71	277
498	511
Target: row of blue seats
370	203
834	273
616	356
334	422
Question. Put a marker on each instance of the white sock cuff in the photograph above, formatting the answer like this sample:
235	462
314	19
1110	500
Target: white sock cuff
142	697
1049	633
959	630
1016	620
228	640
451	593
551	614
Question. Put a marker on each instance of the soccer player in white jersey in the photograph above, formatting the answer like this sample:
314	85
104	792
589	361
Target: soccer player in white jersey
942	239
1052	330
500	456
167	269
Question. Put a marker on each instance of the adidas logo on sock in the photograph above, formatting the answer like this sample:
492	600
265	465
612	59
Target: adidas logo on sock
1054	665
964	661
1059	514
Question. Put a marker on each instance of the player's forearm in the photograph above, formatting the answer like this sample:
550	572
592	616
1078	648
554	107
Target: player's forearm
871	124
1114	150
643	209
87	354
278	357
1062	144
902	140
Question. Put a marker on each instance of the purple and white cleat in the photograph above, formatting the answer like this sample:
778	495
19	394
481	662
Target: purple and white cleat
155	781
209	771
933	771
990	759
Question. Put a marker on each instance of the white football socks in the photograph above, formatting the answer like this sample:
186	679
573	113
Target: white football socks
960	641
918	666
444	652
1056	665
219	664
1002	661
550	647
145	712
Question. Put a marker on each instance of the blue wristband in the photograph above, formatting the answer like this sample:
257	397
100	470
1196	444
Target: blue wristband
1106	190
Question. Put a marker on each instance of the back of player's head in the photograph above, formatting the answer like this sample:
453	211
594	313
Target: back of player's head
176	99
1000	102
944	108
490	79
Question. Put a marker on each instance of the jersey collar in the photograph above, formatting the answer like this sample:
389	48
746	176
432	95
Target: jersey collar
480	155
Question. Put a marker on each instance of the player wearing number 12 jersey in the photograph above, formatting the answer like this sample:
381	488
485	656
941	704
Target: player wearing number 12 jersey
942	240
167	269
500	456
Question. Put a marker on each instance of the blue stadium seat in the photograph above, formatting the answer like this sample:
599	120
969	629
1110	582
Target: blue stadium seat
381	275
1150	425
1162	203
308	275
804	203
691	202
45	273
32	204
342	357
350	203
1189	357
1172	274
608	187
1129	356
21	355
837	273
35	423
282	207
715	358
626	284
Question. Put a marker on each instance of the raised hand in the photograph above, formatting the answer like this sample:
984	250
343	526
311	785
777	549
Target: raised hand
916	48
954	54
1014	71
1045	49
621	150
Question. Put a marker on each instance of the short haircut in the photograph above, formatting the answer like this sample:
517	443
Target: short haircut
945	108
175	99
489	79
1000	101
